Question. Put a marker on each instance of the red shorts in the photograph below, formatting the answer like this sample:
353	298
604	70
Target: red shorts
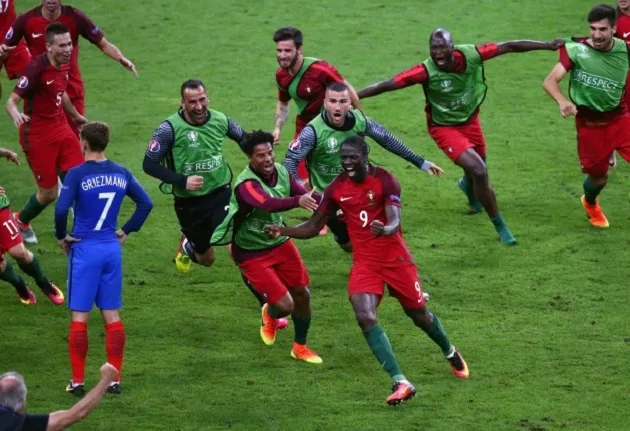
277	271
48	153
402	282
9	233
79	104
596	144
301	169
17	60
454	140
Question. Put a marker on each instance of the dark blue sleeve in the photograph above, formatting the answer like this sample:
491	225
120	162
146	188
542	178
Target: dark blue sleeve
65	201
143	202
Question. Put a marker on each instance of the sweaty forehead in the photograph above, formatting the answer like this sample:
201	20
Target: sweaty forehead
337	94
285	44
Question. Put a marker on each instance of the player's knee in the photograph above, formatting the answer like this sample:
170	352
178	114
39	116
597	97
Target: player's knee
284	306
366	318
47	196
301	294
479	173
21	254
206	259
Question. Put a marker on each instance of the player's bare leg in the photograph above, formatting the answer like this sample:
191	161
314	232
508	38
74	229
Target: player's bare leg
8	274
34	206
29	264
475	168
271	313
301	316
432	326
365	305
189	254
465	184
114	344
593	185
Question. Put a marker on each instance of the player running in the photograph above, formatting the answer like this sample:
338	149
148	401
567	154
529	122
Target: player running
11	243
16	61
31	26
454	85
274	267
186	154
49	144
96	189
319	141
370	200
303	79
598	70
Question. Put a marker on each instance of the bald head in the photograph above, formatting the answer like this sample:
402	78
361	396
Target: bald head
441	48
12	391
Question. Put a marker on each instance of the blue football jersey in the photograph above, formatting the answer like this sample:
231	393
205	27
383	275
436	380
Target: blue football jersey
97	189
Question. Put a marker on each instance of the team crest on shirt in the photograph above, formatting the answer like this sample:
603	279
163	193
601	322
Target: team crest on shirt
371	196
23	82
446	85
193	137
332	145
583	51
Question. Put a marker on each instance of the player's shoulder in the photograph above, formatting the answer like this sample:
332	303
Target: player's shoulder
31	13
385	177
338	182
68	10
282	75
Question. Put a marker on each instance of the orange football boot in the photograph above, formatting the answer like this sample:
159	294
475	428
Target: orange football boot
268	327
459	366
595	214
303	353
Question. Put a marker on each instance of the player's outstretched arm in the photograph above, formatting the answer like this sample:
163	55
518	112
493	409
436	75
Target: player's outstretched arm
235	132
143	202
62	419
528	45
378	88
391	143
18	117
110	50
551	84
299	149
354	97
308	229
251	193
10	156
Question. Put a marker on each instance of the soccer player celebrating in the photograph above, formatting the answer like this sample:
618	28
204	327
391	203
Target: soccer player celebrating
31	26
96	188
598	69
319	141
273	266
370	200
51	147
454	85
11	243
18	58
303	79
186	154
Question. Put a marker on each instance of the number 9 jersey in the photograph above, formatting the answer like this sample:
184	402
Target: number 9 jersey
361	204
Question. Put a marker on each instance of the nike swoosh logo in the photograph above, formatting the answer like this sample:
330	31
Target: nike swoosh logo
50	82
626	35
14	236
345	199
35	36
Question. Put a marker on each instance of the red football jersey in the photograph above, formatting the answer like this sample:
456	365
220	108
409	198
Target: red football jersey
623	26
42	87
312	87
32	25
7	15
361	204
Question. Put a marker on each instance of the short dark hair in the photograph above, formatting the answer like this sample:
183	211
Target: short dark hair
256	137
289	33
602	11
55	29
192	84
357	142
96	134
337	86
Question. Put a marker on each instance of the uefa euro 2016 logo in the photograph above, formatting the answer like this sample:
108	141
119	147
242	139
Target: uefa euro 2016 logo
332	145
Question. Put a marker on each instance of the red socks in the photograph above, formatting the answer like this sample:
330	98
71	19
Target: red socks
78	348
115	345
